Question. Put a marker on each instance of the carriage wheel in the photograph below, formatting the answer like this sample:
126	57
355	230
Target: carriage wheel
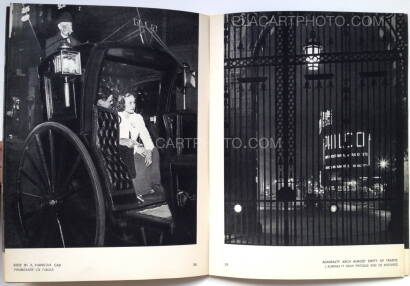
60	199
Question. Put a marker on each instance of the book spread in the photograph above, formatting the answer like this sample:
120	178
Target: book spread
261	145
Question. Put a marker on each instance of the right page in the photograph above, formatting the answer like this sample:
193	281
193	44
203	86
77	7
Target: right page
309	170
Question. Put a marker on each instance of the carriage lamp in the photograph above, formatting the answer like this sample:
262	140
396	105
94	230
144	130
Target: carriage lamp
67	63
312	50
15	109
189	81
189	77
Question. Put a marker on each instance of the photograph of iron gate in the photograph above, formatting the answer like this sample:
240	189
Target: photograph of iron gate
315	128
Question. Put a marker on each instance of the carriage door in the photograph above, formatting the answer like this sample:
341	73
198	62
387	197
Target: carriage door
315	128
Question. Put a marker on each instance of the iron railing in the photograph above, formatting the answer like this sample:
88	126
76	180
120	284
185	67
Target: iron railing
315	156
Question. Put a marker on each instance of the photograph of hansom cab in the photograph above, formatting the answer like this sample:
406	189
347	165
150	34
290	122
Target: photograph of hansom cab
316	128
100	126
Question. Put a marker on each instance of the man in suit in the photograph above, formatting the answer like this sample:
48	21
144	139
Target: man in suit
65	26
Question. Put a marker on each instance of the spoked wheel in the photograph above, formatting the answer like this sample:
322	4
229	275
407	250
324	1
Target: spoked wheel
60	199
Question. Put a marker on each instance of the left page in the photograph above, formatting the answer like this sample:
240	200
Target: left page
105	143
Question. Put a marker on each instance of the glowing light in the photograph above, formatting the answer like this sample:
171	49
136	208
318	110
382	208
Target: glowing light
352	183
237	208
312	51
383	163
333	208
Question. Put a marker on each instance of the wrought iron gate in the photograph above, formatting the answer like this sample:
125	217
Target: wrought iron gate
315	128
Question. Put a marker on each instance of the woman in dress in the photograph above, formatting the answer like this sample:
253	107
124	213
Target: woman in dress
134	135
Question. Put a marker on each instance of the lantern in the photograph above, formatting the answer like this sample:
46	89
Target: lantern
312	50
67	63
189	80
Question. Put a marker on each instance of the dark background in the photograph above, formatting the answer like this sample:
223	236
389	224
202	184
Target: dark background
178	30
25	45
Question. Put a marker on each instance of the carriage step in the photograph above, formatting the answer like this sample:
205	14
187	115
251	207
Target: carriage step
122	192
126	207
133	206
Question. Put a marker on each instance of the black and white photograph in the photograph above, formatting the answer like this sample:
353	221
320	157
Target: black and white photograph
100	126
315	111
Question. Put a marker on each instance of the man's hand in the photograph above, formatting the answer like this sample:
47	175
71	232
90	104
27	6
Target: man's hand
106	103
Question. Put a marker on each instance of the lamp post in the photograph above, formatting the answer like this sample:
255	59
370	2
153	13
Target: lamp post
312	50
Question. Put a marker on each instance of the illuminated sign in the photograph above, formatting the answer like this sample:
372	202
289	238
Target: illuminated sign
347	140
346	150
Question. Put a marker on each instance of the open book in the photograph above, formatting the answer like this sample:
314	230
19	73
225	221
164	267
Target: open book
147	143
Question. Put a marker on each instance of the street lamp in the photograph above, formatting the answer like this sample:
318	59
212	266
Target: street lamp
383	163
333	208
237	208
312	50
